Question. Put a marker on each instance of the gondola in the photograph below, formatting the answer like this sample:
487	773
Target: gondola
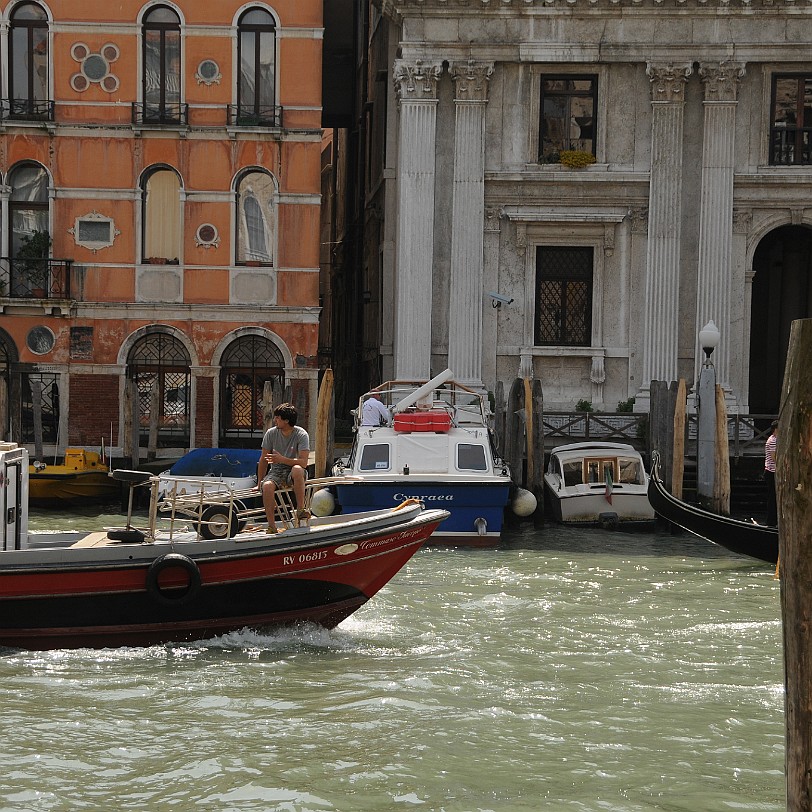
745	538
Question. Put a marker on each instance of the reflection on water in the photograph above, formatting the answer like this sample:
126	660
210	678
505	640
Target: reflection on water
566	670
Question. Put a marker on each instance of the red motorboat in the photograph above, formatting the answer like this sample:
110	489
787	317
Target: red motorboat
152	585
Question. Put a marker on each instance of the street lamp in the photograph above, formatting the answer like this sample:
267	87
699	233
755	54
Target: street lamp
706	418
709	337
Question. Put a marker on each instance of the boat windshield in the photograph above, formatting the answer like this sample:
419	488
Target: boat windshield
631	472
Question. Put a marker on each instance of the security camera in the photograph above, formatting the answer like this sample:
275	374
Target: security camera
498	299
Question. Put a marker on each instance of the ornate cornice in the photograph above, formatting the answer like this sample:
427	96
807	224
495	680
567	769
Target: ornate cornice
416	80
471	80
400	8
721	80
668	81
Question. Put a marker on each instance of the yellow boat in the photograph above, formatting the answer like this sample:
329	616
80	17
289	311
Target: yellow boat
81	477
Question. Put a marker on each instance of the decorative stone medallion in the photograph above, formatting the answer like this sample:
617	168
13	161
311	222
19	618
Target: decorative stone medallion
94	67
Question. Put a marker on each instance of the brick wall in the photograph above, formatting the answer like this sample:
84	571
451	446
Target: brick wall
204	413
93	408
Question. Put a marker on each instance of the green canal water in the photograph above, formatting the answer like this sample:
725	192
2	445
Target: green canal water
565	670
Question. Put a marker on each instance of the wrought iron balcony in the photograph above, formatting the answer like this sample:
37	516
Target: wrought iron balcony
244	115
28	110
160	115
35	278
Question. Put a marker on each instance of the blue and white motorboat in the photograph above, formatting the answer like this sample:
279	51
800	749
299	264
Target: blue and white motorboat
438	447
211	470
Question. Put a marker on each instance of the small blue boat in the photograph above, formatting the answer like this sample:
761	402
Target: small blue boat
211	469
437	446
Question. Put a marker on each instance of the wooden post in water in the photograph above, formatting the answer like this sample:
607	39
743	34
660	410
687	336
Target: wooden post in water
661	426
721	481
267	405
36	416
514	432
154	416
794	481
678	458
499	417
535	484
322	424
3	408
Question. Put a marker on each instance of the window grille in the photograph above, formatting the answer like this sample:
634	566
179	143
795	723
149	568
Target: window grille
49	406
563	296
159	360
247	364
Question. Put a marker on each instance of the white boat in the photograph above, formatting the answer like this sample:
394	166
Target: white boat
437	447
597	483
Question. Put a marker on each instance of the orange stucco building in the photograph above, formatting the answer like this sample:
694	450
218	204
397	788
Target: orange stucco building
159	219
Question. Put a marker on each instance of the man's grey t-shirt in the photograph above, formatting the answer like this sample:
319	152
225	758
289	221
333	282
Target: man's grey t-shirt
290	446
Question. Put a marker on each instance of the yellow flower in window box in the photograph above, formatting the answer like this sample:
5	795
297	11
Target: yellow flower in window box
575	158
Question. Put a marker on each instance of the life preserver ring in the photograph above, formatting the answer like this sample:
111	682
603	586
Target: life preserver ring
173	597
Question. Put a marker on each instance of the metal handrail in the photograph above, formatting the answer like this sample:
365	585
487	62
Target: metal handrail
164	115
35	278
243	115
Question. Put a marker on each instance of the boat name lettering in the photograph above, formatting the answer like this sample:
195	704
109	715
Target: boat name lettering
440	497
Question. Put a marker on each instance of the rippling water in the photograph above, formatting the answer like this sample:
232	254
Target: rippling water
567	670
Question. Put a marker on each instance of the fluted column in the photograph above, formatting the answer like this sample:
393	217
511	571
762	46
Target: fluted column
661	323
714	279
416	87
467	221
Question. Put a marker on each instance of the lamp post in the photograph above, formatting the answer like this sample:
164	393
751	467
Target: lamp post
706	418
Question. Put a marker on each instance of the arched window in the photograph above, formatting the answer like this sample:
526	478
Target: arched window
161	66
256	54
29	240
161	216
255	218
160	366
28	64
247	365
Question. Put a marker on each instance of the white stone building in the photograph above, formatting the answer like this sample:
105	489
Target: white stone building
698	205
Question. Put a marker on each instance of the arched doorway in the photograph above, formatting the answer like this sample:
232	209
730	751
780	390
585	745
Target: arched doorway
248	363
782	292
160	366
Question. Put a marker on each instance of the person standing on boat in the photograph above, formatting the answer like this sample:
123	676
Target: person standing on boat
769	474
283	462
373	412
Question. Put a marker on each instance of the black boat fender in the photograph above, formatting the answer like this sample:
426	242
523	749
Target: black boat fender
173	597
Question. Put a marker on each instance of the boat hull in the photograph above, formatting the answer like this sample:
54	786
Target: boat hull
744	538
589	508
468	502
132	594
70	486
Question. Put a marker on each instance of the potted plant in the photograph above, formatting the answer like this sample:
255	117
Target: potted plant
32	261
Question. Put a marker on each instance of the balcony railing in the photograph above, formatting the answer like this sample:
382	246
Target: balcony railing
35	278
242	115
161	115
27	110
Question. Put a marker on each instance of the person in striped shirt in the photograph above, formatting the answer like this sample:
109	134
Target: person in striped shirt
769	474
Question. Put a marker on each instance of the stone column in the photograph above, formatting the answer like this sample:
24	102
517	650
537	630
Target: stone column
416	87
661	318
467	222
714	279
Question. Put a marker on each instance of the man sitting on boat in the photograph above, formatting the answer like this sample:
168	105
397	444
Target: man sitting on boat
286	448
373	412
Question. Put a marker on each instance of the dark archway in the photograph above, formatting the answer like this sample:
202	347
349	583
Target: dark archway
782	292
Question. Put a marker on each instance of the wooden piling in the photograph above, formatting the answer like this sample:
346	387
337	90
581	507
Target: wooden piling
36	416
678	458
794	485
323	462
535	484
721	479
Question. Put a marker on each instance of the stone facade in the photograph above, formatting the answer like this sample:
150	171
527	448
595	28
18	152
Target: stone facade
171	151
694	196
